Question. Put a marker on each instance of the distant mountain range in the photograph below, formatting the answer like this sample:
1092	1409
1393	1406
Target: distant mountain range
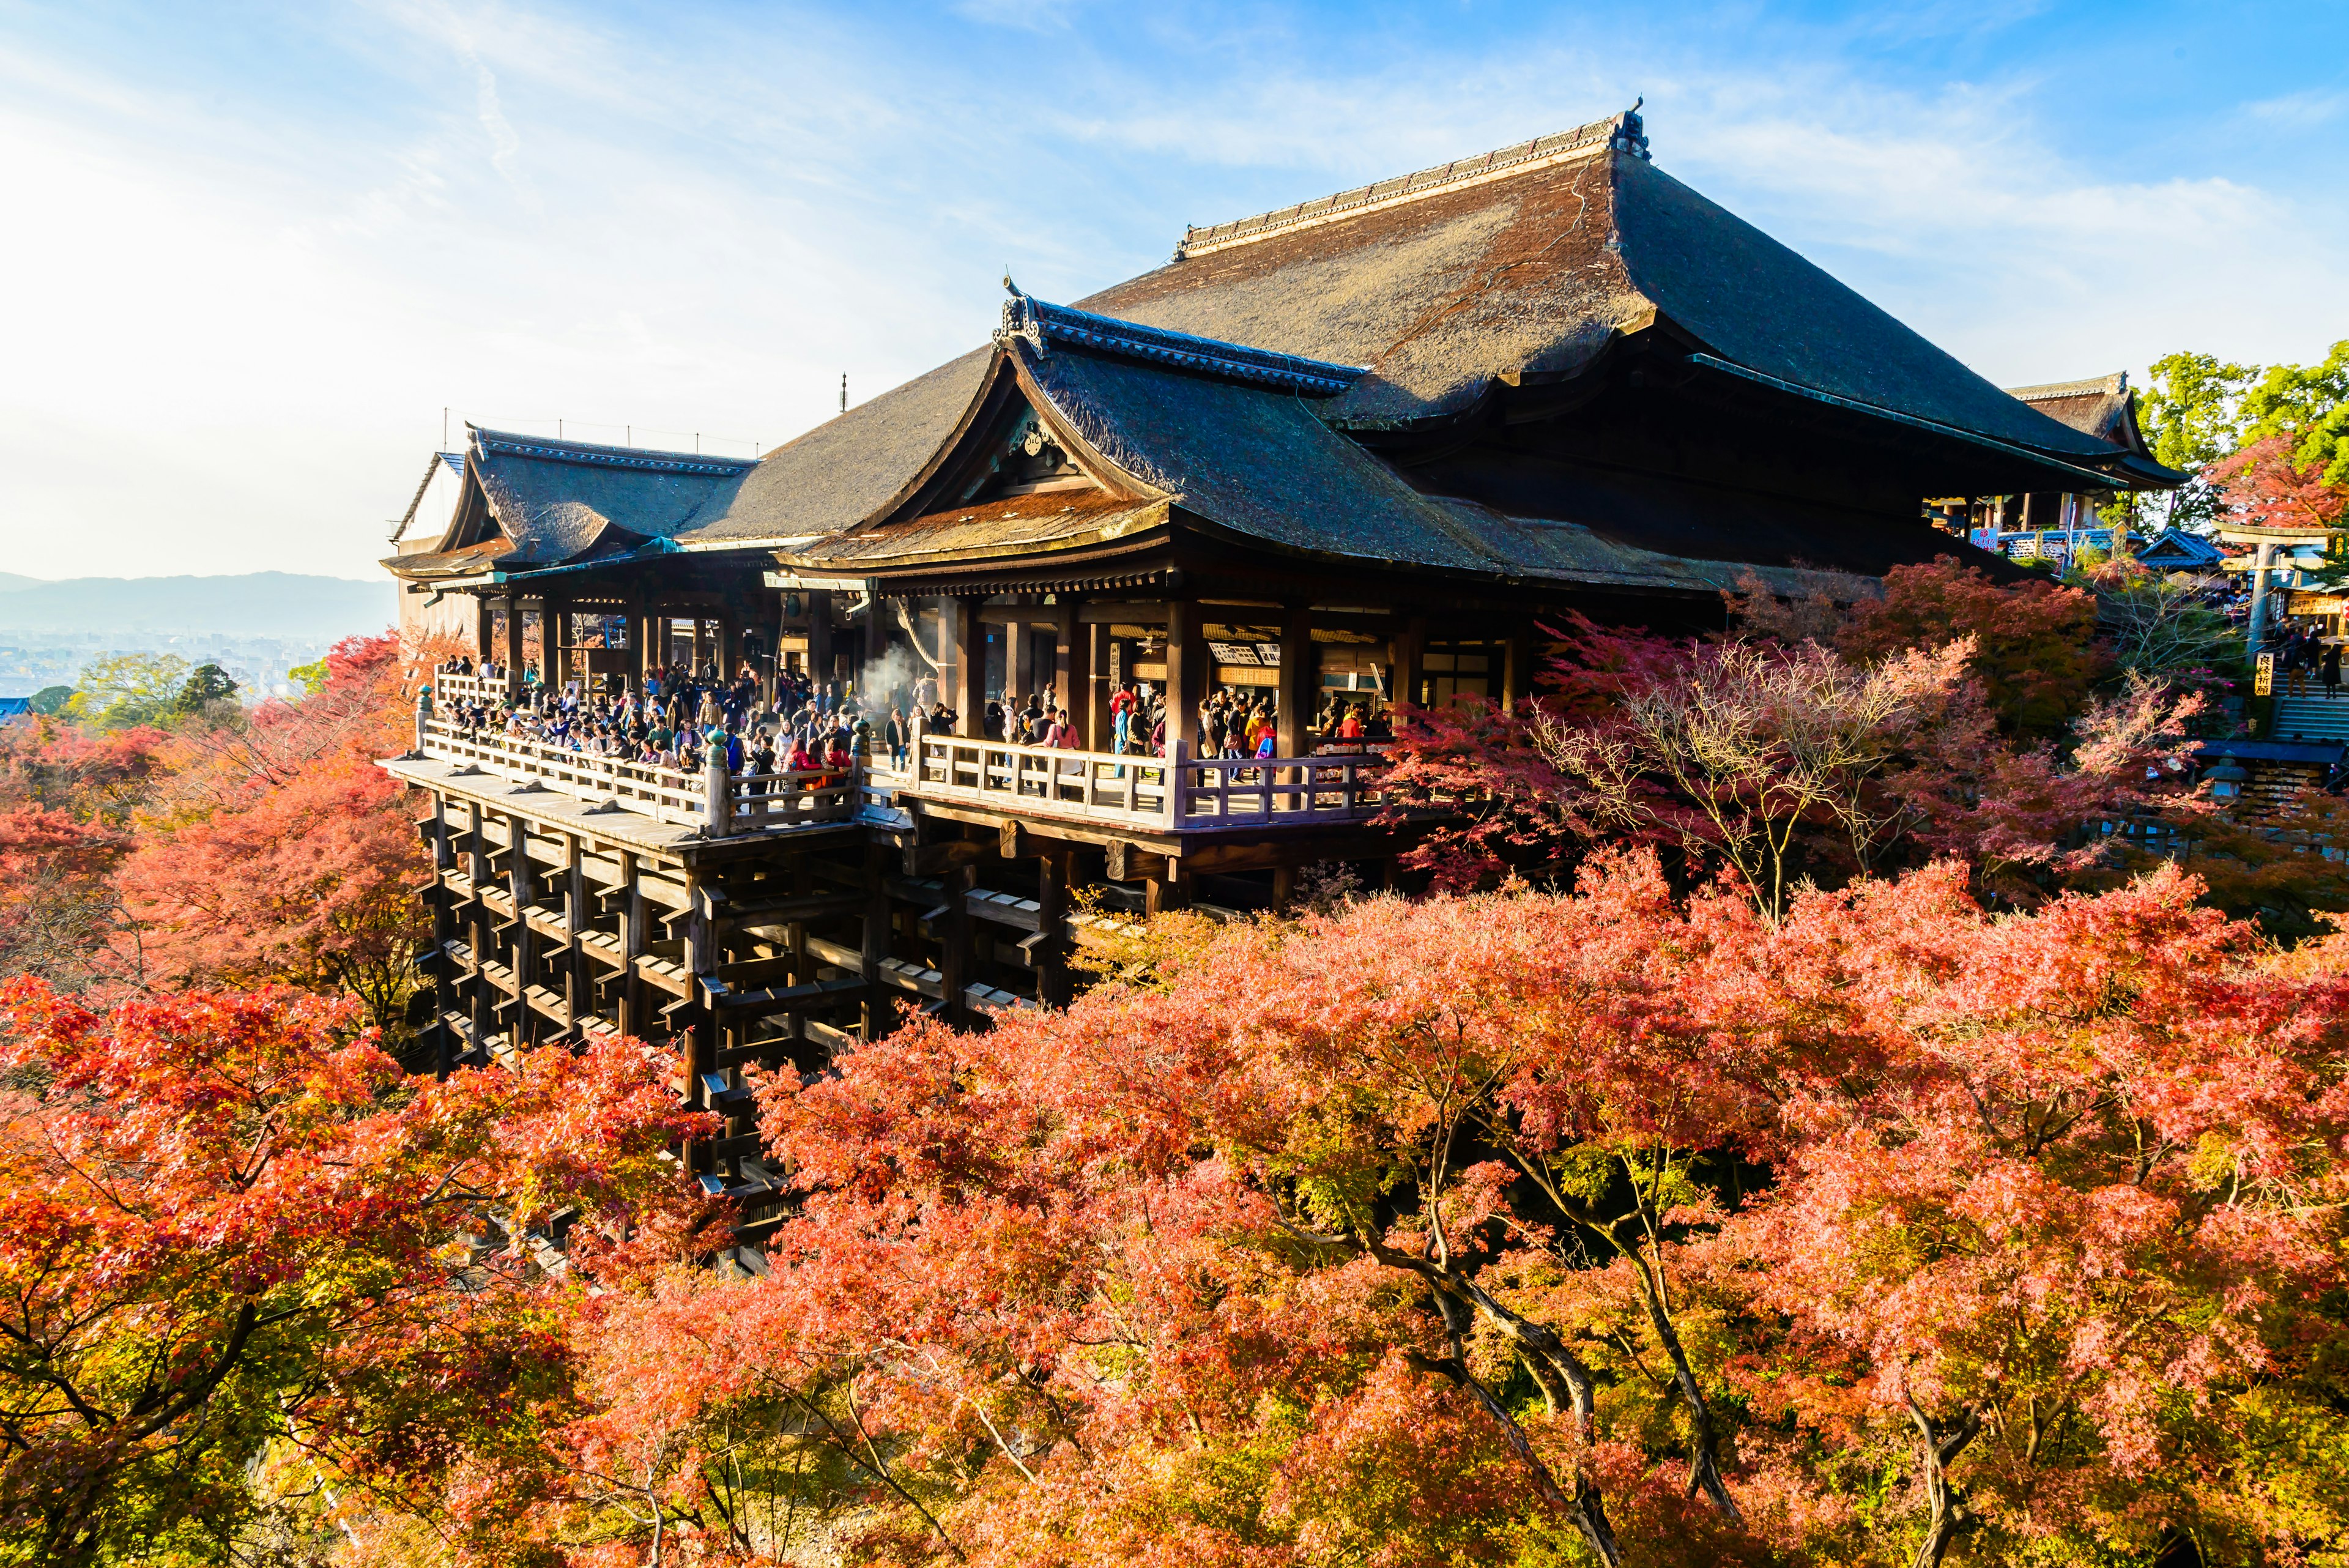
255	604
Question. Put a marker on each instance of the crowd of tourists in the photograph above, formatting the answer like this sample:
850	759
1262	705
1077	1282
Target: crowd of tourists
789	721
677	716
2303	657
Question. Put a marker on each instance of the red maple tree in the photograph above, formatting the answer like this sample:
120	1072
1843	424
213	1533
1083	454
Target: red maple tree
227	1222
1594	1225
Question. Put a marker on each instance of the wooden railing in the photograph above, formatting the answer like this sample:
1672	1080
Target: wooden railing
1236	792
1146	793
1104	787
474	688
717	802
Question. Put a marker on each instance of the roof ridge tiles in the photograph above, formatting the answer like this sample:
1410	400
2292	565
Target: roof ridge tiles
1622	133
2090	386
496	443
1045	325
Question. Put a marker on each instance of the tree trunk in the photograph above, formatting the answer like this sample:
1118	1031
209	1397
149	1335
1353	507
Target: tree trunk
1946	1517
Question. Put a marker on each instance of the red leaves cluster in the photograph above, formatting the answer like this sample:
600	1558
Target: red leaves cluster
2261	486
227	1221
1163	1278
1931	728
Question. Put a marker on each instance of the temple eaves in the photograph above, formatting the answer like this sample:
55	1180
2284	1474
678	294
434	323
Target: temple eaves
1044	326
1622	133
507	445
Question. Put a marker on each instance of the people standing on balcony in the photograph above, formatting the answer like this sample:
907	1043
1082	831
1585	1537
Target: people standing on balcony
900	739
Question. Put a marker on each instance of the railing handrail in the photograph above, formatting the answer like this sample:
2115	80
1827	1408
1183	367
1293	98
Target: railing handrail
754	802
1146	792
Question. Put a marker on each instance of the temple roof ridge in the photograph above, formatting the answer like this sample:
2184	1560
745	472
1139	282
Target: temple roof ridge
1623	132
508	444
2110	386
1044	326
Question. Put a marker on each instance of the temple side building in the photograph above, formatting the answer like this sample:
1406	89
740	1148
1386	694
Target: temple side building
1365	448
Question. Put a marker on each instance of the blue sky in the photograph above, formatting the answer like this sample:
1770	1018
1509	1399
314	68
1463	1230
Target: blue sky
254	250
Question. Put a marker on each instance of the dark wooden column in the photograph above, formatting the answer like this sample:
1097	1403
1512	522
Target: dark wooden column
443	927
970	668
872	642
820	635
880	1007
579	986
1186	672
633	1019
485	628
1016	672
695	1020
477	929
519	887
730	643
555	639
955	941
1052	871
1410	645
1097	690
1298	682
1075	645
1517	670
513	645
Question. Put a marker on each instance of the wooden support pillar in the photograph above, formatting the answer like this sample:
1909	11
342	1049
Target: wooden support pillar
477	929
1516	670
970	668
519	887
880	1010
579	986
871	644
1298	680
554	643
820	656
1186	672
485	628
1098	686
699	1028
513	658
1170	889
1073	647
633	1019
954	940
1052	872
1410	645
444	926
1284	887
1018	678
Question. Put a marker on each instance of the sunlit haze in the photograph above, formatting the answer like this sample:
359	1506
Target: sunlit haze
256	251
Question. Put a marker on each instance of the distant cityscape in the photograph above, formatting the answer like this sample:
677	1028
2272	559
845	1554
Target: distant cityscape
256	626
31	661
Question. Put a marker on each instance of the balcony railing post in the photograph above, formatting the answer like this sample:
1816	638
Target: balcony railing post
719	826
423	716
1178	751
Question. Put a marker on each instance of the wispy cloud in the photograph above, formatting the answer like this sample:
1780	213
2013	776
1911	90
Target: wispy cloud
694	218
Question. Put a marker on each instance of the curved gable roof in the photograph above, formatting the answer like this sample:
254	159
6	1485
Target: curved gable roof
555	499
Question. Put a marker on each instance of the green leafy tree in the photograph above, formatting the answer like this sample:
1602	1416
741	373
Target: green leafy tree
311	677
2191	414
52	699
2310	403
206	684
129	689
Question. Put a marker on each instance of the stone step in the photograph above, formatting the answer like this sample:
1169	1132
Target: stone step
2310	719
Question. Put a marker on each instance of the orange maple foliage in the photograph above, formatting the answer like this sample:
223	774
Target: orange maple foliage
283	855
1530	1229
228	1224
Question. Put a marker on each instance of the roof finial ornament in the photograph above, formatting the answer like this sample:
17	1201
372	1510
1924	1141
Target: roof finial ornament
1630	132
1019	319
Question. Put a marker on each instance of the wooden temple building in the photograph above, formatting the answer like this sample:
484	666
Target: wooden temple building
1368	444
